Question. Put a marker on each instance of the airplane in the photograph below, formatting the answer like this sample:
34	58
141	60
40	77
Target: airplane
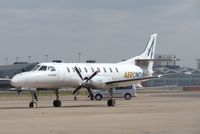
99	76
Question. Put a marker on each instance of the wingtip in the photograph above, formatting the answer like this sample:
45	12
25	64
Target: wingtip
154	34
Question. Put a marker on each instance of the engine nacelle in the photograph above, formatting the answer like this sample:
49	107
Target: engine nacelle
98	82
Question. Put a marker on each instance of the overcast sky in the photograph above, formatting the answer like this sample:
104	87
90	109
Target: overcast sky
104	30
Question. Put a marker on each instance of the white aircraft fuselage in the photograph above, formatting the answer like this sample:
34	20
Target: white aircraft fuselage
64	75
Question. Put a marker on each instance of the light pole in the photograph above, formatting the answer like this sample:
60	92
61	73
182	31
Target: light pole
164	80
177	78
6	60
17	58
46	57
190	77
29	59
79	57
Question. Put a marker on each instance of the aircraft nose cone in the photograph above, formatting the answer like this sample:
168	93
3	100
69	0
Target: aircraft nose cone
15	81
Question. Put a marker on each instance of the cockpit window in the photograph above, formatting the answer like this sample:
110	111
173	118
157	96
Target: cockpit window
43	68
50	68
36	68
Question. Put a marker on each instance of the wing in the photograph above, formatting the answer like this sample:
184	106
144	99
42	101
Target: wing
5	79
126	82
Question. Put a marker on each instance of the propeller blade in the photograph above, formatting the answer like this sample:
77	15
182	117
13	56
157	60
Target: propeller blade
94	74
90	92
78	72
77	89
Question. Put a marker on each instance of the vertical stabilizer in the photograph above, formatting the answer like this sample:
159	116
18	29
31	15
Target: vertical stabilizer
149	51
145	60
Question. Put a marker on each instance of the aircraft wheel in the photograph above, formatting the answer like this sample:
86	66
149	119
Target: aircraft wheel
33	105
91	98
111	103
75	98
57	103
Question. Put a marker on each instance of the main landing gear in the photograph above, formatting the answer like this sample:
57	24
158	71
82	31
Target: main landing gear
33	103
111	102
57	102
75	96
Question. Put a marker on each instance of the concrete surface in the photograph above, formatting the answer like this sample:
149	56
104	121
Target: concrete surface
149	113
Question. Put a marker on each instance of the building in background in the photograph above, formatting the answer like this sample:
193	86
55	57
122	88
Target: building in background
90	61
168	61
8	71
183	76
198	64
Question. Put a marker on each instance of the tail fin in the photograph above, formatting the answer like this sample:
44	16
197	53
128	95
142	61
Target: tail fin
150	48
145	60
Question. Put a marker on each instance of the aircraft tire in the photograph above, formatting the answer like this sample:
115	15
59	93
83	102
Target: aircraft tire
57	103
33	105
92	98
111	103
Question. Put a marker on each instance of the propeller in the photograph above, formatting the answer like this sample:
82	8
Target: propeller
85	81
77	89
78	72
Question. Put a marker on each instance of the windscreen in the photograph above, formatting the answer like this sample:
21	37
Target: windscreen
36	68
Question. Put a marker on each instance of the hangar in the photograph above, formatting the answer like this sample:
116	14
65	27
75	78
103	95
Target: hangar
8	71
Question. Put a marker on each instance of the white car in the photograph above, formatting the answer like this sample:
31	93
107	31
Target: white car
121	92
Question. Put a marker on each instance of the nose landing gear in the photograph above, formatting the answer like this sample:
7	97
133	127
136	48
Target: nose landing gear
33	103
57	102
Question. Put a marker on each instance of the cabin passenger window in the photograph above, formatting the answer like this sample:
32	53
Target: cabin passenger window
116	69
68	70
92	69
85	69
110	69
50	68
98	69
43	68
79	69
73	69
104	69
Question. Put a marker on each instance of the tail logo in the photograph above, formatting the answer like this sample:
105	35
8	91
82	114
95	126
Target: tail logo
150	51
